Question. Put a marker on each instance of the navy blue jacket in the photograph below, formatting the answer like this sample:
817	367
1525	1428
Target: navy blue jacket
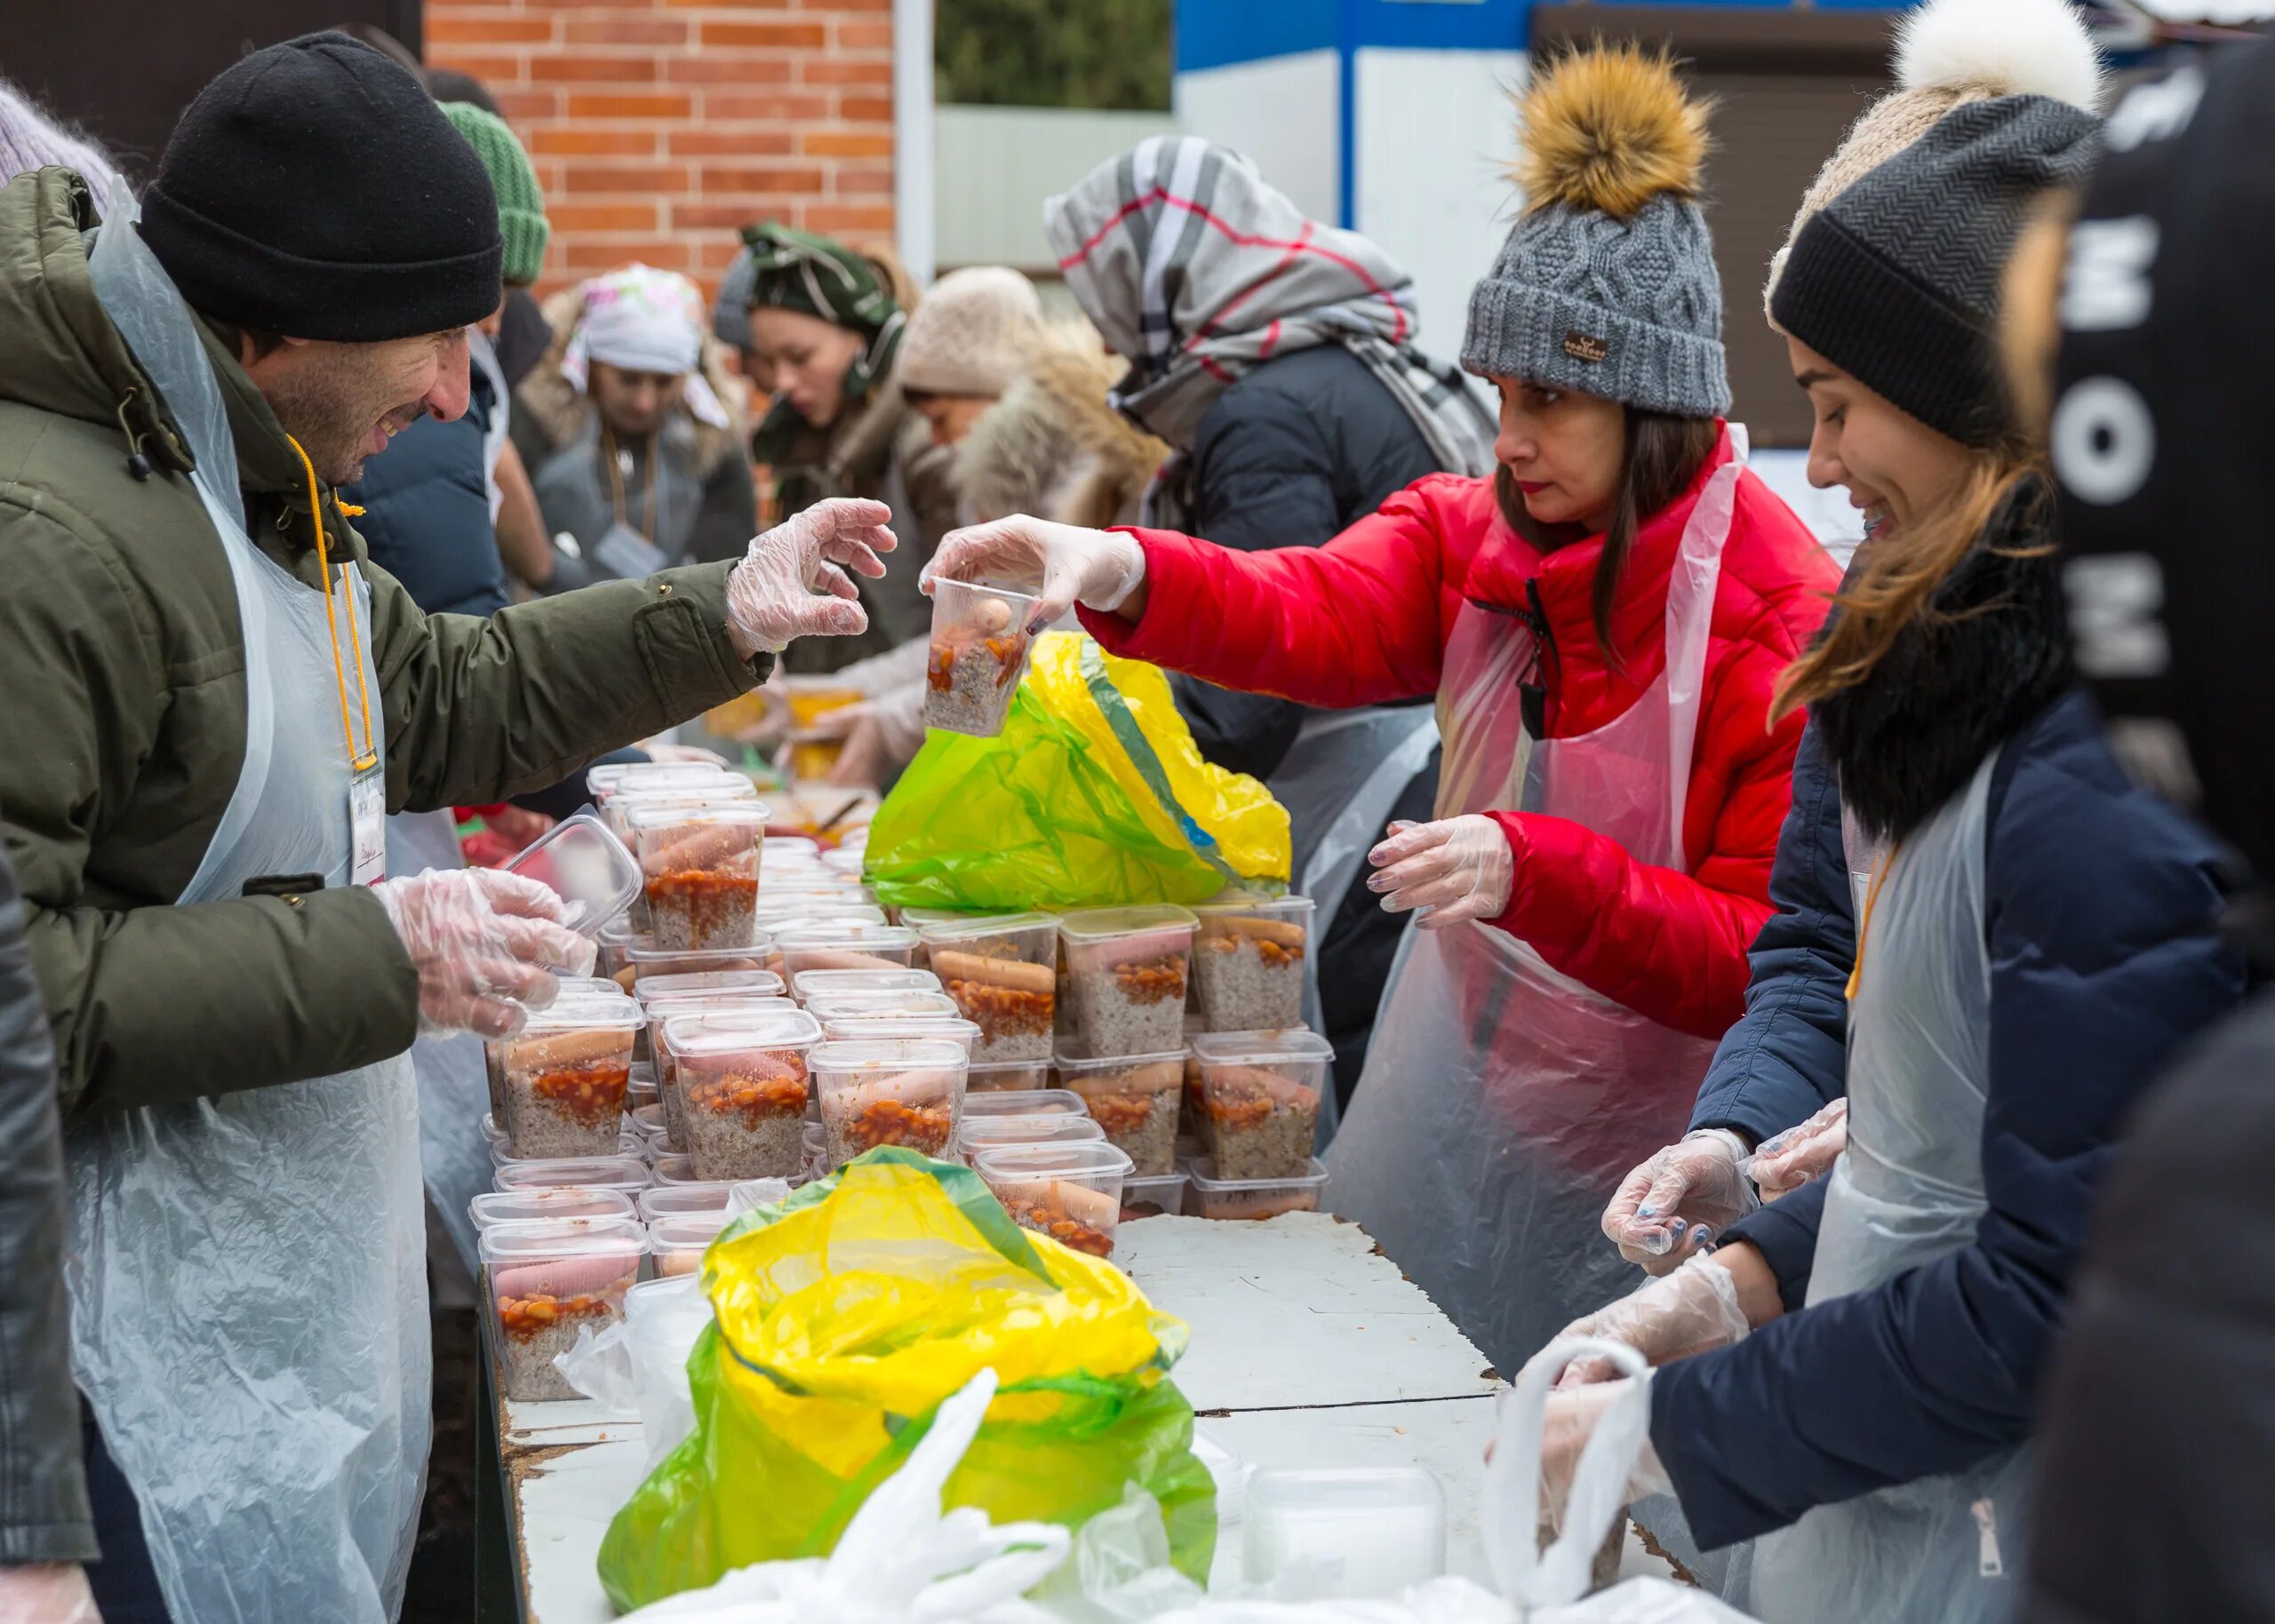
426	502
2100	909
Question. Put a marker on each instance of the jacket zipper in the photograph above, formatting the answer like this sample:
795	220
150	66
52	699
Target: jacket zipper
1532	693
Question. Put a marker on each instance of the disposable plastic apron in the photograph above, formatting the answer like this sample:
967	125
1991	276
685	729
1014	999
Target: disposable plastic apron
1502	1101
1908	1190
248	1314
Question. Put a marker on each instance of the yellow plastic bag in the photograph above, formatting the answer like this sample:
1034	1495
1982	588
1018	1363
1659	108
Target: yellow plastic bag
845	1315
1093	795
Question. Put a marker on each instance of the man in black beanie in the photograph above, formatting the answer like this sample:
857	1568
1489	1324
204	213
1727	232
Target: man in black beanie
213	702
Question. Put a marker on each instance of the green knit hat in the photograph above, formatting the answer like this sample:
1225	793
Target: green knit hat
520	205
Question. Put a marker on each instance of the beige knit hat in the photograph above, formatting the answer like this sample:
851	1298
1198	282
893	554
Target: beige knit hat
971	334
1948	53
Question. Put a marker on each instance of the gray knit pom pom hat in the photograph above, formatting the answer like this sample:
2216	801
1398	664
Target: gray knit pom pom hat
1607	285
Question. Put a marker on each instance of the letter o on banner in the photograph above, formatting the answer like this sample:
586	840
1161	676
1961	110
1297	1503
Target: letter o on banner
2103	441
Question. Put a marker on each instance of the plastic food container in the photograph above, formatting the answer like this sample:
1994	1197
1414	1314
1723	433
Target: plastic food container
1151	1198
843	945
845	860
977	1134
655	1131
980	645
641	1090
812	698
678	1243
495	1207
816	1150
608	782
648	961
1017	1076
1206	1196
900	1093
1126	977
574	998
790	849
1135	1100
808	985
1352	1533
677	1170
661	1008
627	1144
629	1174
1026	1102
683	1200
1249	962
1070	1192
1259	1096
855	1028
616	941
1002	972
743	1089
706	786
563	1078
701	867
543	1282
852	1007
586	867
776	912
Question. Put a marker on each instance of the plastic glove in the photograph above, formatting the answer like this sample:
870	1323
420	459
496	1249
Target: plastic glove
1459	869
1786	1161
884	736
1673	1205
1095	568
485	944
774	594
46	1593
1566	1425
1688	1312
691	755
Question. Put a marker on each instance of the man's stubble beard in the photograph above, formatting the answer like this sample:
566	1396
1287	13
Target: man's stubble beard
329	410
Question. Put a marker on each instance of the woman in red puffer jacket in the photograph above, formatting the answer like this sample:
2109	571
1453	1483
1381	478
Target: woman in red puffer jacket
1603	623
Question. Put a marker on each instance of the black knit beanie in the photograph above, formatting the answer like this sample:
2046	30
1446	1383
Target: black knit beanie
1895	280
314	191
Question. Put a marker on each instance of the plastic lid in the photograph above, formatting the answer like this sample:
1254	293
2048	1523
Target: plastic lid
591	1172
1255	1049
1083	1066
971	927
843	862
649	1121
628	1145
780	912
736	1032
810	984
530	1206
630	777
644	815
841	932
754	984
912	1005
648	953
677	1170
1097	924
679	1200
687	1230
979	1132
547	1237
618	932
1203	1171
1357	1493
1025	1102
586	867
1073	1158
949	1028
792	846
617	1014
681	1005
1254	902
901	1054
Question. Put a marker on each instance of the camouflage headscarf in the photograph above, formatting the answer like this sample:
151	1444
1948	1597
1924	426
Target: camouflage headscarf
803	271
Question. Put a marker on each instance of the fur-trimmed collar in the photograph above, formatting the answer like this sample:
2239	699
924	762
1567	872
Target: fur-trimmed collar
1054	447
562	412
1955	687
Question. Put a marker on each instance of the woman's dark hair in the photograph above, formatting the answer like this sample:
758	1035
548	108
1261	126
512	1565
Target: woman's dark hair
1662	454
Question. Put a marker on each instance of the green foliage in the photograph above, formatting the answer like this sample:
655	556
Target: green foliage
1054	53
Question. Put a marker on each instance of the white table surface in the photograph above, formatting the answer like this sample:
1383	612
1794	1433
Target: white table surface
1309	1349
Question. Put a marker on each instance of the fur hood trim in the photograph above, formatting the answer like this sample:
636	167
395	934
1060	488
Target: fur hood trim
563	413
1053	447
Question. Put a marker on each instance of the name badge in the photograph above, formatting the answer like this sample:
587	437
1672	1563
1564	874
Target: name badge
367	820
624	553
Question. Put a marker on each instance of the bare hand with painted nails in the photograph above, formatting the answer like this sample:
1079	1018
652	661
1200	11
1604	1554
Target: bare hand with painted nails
792	583
1679	1200
1460	868
1099	569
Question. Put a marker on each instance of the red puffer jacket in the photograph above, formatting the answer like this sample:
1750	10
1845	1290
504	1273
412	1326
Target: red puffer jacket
1365	620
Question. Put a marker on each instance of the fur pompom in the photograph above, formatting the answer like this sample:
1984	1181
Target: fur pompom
1608	129
2000	48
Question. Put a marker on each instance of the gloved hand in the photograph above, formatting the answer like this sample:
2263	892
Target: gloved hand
46	1593
1095	568
774	594
1460	868
1688	1312
485	944
1786	1161
1674	1204
881	735
690	755
1567	1422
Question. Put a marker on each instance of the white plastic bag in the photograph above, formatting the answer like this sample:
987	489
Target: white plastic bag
640	1364
901	1560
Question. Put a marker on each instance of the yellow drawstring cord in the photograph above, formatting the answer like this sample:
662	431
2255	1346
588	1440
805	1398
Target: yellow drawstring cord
1872	900
369	756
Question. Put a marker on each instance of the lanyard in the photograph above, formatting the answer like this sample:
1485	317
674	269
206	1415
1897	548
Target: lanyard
616	481
1872	900
368	757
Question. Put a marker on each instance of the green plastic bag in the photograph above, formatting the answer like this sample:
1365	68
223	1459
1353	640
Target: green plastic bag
1093	795
845	1315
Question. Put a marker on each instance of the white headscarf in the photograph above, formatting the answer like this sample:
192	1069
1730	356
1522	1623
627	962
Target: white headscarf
644	320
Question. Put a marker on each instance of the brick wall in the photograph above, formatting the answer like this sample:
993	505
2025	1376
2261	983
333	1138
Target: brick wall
659	127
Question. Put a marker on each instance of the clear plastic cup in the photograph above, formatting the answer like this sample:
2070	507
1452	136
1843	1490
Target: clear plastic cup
977	1134
1026	1102
1135	1100
629	1174
1126	977
678	1244
908	1092
1070	1192
647	960
1013	1076
1002	971
1152	1198
1260	1094
743	1091
494	1207
563	1078
1206	1196
701	869
586	867
980	647
546	1280
808	985
1248	961
843	945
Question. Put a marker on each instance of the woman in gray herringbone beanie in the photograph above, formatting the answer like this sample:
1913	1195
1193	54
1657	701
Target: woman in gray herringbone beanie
1602	621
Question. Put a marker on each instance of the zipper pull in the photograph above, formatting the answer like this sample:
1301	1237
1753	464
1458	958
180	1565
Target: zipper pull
1988	1563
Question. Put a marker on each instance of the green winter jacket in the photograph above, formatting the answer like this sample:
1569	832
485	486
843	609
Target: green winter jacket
123	707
